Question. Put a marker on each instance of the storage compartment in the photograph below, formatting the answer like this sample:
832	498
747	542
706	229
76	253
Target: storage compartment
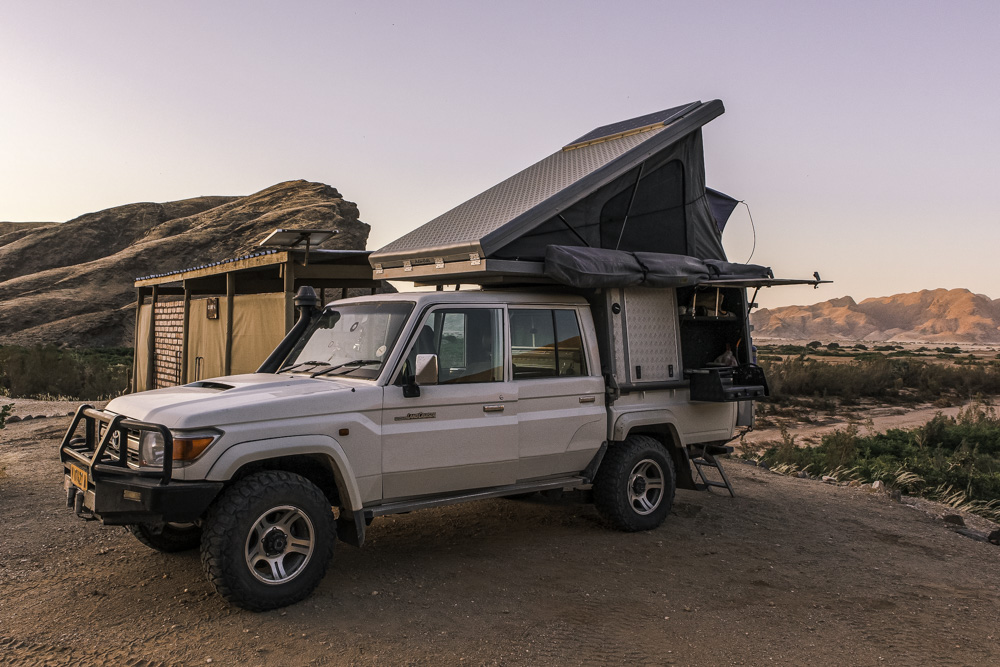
638	334
712	319
712	323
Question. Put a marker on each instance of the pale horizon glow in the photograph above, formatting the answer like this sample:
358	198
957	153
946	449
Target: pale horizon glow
862	135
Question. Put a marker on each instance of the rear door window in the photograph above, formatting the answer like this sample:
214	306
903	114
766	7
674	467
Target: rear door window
546	343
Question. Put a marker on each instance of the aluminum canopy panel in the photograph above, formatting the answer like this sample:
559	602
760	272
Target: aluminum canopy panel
533	195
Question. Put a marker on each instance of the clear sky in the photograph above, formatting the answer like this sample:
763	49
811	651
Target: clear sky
864	135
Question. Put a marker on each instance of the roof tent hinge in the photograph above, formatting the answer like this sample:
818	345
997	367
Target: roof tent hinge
474	259
439	262
407	266
379	269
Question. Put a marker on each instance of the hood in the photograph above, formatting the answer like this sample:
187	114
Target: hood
241	399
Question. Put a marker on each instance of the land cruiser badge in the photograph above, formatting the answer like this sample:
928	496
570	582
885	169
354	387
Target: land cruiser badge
416	415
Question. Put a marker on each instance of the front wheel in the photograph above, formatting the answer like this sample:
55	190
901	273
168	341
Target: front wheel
268	540
634	487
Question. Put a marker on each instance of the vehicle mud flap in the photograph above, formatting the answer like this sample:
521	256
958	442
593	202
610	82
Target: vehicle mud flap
744	413
351	527
682	468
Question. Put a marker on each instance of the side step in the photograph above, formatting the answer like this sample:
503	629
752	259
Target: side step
704	457
398	507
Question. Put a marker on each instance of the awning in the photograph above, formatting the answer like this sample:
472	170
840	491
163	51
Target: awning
598	267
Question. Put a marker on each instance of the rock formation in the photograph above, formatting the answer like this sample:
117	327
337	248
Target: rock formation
935	316
72	283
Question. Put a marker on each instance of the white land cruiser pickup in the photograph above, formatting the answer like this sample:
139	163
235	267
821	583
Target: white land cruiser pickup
395	402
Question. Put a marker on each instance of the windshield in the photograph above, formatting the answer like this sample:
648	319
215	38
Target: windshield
353	339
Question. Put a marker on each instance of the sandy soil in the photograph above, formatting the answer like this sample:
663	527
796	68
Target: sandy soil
882	418
790	571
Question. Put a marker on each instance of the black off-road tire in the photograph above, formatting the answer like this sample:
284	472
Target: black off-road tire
248	523
622	499
171	538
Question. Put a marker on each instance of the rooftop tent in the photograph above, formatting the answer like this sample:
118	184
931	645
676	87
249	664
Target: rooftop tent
636	185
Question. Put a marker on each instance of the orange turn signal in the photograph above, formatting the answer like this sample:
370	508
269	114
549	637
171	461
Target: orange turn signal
186	449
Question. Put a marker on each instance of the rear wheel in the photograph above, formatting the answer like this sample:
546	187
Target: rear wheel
168	537
268	540
634	487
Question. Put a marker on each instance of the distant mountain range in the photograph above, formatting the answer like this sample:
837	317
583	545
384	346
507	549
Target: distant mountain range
72	283
934	316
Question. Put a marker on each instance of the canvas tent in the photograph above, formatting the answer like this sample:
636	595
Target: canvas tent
636	185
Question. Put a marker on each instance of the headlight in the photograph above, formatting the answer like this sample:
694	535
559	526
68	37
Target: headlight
187	447
151	449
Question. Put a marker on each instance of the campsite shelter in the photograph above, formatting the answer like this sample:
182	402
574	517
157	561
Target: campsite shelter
225	318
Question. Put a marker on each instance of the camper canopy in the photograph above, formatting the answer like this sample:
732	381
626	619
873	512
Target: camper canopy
634	185
627	201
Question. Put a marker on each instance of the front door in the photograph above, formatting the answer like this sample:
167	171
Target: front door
462	432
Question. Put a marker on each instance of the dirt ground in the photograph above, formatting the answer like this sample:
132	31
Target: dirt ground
882	419
790	571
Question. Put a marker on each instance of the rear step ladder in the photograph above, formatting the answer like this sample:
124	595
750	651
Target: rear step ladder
704	457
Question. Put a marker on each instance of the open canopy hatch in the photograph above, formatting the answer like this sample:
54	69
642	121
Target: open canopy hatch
631	188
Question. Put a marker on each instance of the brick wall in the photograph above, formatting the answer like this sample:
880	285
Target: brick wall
168	337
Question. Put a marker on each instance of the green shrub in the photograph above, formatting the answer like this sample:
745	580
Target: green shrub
5	411
958	453
47	371
873	375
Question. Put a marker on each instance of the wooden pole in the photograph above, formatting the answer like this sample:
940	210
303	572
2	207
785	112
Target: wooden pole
289	287
185	333
151	342
230	294
136	342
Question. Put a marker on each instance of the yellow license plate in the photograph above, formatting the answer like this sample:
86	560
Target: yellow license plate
78	476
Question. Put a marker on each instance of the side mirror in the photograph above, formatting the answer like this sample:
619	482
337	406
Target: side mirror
427	369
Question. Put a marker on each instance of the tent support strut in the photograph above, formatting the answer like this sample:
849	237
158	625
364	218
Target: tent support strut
631	200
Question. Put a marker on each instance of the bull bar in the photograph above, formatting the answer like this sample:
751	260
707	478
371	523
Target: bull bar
100	483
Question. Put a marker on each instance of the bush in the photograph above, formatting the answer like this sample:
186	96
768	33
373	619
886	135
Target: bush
47	372
961	454
873	375
5	411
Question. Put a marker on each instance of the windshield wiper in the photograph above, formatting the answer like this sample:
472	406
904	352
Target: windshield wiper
356	363
288	369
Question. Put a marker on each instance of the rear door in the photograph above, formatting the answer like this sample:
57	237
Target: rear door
562	420
461	433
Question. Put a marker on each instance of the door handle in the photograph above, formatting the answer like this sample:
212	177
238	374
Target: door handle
588	399
493	408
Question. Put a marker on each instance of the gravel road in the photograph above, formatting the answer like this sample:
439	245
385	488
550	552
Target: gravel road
790	571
